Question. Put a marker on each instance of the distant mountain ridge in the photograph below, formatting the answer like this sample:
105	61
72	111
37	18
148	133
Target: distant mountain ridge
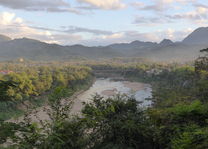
4	38
199	36
166	42
166	50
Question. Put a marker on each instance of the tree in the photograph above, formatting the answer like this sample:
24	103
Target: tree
117	122
4	87
202	62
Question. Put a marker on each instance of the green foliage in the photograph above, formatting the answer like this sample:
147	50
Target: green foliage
68	134
193	137
173	124
59	93
28	83
178	118
8	130
117	123
5	90
30	136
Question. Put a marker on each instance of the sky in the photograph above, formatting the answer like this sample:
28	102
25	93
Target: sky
101	22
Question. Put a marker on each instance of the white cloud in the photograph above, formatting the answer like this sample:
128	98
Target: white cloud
198	16
104	4
6	18
129	36
195	13
39	5
160	5
113	36
15	27
150	21
172	1
174	35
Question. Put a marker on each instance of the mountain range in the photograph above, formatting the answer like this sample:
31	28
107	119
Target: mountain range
166	50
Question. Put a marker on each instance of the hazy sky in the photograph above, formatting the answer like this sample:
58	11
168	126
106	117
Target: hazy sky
101	22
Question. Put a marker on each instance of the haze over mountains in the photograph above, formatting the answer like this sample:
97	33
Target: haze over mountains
166	50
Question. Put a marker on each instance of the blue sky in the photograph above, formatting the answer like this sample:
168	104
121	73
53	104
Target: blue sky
101	22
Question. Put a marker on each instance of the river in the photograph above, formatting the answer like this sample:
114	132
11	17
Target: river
108	87
104	87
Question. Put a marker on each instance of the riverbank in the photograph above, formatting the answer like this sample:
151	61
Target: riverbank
39	112
108	88
100	86
104	87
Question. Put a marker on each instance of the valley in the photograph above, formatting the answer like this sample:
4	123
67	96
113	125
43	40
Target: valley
166	50
103	74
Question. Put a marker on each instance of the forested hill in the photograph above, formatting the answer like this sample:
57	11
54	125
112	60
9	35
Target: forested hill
165	50
177	119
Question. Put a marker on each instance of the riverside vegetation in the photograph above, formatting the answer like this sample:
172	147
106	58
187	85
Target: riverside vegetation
32	84
178	118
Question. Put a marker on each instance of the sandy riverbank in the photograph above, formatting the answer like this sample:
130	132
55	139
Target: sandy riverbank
104	87
41	113
109	92
107	88
135	86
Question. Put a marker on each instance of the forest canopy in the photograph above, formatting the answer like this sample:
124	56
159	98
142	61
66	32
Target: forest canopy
176	120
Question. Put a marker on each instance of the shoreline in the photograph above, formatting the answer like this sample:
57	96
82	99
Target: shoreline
106	90
40	113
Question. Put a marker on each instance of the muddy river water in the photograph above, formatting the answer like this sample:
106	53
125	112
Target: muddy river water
104	87
108	87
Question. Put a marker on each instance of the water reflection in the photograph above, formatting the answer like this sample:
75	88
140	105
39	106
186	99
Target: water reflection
108	87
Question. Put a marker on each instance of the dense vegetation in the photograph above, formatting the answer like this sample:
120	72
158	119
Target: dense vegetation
178	118
24	83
